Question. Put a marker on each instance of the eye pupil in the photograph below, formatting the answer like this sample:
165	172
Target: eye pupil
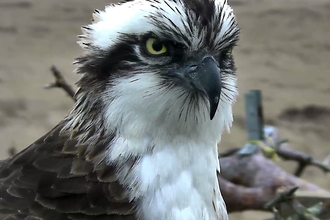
157	45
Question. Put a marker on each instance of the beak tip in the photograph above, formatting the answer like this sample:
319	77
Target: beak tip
213	107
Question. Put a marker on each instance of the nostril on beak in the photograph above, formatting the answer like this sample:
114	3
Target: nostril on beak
209	58
192	68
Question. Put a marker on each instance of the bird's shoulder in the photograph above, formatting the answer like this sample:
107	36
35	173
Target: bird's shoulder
55	178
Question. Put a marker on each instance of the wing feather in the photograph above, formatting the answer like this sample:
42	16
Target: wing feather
55	178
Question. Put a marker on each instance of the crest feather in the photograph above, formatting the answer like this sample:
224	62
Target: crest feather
96	16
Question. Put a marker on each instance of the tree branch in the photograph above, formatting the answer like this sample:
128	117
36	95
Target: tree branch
249	182
60	82
303	159
241	198
315	212
257	171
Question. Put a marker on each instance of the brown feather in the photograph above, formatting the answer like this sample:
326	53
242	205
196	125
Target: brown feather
60	178
19	217
81	167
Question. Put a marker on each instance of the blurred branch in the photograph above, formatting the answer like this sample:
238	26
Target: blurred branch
303	159
287	153
249	182
284	196
239	198
301	212
60	82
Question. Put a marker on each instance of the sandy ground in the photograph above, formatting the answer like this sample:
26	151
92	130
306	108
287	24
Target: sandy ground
284	50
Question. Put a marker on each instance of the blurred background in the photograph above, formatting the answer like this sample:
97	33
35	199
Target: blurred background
284	51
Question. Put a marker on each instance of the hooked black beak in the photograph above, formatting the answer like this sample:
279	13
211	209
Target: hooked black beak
205	76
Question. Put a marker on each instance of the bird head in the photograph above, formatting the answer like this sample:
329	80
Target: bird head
164	62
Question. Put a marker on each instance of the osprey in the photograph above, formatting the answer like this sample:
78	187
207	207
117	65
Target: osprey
157	87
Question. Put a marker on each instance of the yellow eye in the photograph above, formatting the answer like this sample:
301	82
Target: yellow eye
229	51
155	47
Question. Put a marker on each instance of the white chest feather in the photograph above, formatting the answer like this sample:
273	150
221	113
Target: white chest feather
180	184
176	182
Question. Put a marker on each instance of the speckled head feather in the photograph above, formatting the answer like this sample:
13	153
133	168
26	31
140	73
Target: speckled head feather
114	51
